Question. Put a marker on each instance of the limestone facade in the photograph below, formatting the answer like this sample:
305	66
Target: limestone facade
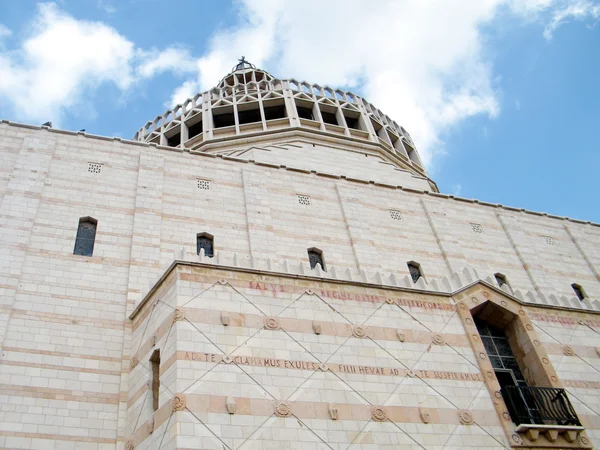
256	349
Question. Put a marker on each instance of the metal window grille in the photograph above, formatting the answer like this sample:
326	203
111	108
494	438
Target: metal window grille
206	243
86	236
395	214
94	167
477	228
203	184
304	200
415	272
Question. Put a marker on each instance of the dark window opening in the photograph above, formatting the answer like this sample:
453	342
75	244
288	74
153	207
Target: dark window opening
174	140
223	120
204	241
329	118
305	113
500	279
415	271
249	116
194	130
352	122
275	112
579	292
155	361
315	256
86	236
500	353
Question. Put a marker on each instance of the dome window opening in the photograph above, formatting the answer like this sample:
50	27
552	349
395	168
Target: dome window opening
249	113
194	127
223	117
328	115
174	139
305	110
274	110
352	119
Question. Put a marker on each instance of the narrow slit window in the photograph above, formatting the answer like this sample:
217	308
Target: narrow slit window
315	256
579	292
205	241
86	236
415	271
501	279
155	362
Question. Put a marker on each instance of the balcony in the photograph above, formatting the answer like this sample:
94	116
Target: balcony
542	410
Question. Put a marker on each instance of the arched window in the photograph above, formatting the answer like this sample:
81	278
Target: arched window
579	292
415	271
86	236
501	279
155	361
315	256
204	241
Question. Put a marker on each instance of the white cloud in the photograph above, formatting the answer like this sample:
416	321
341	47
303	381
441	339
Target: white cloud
172	59
182	93
62	60
578	10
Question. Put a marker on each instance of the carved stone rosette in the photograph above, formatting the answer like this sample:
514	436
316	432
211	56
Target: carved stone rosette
438	339
378	414
179	315
178	402
271	323
568	350
425	415
283	409
359	332
401	335
465	417
134	362
129	445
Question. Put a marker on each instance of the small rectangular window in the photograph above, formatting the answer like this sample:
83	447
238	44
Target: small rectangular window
155	361
174	140
86	236
415	271
205	241
329	118
315	256
579	292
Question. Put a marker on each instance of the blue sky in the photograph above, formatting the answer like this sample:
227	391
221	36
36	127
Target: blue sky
501	96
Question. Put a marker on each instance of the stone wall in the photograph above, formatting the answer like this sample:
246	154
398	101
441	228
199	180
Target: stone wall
64	332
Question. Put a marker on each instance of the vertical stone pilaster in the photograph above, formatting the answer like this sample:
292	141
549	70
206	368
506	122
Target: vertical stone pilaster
517	251
437	237
17	215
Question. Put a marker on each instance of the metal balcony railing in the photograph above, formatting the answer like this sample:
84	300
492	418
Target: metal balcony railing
539	405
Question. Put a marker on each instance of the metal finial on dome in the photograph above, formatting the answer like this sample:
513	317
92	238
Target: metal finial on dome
243	64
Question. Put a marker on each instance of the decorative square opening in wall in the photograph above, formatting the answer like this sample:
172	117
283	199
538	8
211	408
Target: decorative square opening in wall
477	228
395	214
94	167
549	240
304	200
203	184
